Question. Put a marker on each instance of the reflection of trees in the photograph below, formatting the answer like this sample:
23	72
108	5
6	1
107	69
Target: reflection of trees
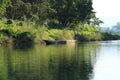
20	66
79	67
65	62
3	71
7	55
86	59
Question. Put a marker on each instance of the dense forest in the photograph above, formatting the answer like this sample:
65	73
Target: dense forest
36	20
65	13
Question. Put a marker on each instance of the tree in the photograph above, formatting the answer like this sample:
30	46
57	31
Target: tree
72	12
3	5
96	21
67	13
18	10
39	10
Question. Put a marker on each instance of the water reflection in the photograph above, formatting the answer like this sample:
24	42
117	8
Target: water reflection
107	66
53	62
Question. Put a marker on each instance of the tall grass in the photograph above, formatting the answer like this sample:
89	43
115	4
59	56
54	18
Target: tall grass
28	29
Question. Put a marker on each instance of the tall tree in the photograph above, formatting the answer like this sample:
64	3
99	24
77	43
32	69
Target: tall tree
67	13
30	9
18	10
71	12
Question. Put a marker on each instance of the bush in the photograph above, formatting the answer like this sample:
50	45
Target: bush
24	39
108	36
88	33
5	36
58	34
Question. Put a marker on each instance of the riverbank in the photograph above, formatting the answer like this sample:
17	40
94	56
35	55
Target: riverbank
26	33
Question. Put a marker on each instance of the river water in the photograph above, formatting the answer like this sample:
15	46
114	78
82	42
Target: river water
85	61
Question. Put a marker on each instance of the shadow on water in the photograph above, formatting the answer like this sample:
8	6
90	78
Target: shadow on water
23	40
55	62
23	46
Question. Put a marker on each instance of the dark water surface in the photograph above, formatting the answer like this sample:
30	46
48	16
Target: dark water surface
88	61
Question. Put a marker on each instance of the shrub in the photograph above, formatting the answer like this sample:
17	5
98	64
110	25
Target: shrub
24	39
58	34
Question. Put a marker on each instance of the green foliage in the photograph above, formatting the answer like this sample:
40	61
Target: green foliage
23	40
61	34
89	37
67	13
5	32
72	12
3	5
41	34
22	31
29	32
15	32
24	37
3	38
96	21
108	36
34	10
35	20
53	34
88	33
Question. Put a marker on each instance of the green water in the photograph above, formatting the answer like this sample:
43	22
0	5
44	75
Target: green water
88	61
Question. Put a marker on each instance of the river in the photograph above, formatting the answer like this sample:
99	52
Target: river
85	61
